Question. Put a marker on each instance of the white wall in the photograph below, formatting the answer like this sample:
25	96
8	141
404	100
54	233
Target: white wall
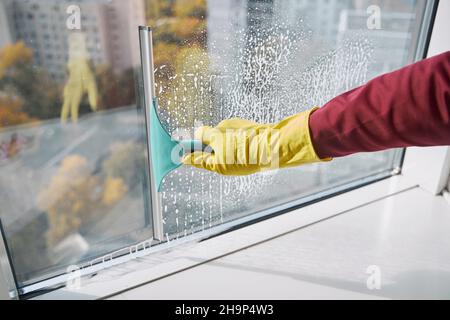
431	166
440	41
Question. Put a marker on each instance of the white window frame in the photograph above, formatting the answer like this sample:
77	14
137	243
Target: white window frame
430	167
427	168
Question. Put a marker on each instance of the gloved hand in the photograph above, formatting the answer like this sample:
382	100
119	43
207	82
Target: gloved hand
242	147
81	79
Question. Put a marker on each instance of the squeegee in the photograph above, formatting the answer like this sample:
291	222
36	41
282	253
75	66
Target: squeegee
164	152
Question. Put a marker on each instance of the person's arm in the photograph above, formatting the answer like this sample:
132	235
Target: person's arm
408	107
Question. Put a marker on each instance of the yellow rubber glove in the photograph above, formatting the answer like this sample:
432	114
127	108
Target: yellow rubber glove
81	79
243	147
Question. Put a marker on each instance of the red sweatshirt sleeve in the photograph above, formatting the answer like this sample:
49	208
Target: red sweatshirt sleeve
407	107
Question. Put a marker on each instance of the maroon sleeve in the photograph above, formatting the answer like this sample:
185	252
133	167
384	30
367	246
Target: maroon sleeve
407	107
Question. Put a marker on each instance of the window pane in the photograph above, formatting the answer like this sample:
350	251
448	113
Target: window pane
264	60
73	172
72	140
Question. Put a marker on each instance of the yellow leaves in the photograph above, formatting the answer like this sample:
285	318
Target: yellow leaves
189	8
21	78
164	54
71	175
190	17
114	190
187	27
178	22
192	60
179	44
11	113
153	8
14	54
68	199
74	197
126	161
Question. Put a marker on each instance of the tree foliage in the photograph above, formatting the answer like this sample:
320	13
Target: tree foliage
20	78
115	90
68	199
75	196
180	50
12	56
190	8
11	112
125	162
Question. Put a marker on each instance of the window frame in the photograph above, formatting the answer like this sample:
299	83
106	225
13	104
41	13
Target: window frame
262	226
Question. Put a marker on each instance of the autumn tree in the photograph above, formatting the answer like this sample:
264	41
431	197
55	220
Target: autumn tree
11	112
115	89
74	197
126	162
189	95
190	8
180	57
19	77
12	56
68	198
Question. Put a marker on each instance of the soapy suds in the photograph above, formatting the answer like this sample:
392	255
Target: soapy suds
264	76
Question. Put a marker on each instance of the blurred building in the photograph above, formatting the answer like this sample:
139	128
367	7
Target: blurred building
260	14
122	19
322	16
5	33
110	28
390	43
226	18
334	20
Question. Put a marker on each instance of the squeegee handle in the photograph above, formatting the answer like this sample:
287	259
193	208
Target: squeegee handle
190	146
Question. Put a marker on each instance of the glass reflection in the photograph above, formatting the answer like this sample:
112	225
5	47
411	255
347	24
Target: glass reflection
72	142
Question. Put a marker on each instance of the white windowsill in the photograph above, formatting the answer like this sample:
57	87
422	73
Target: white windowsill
149	268
394	248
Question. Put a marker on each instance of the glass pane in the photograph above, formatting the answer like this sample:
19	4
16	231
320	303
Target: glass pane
73	170
72	140
264	60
